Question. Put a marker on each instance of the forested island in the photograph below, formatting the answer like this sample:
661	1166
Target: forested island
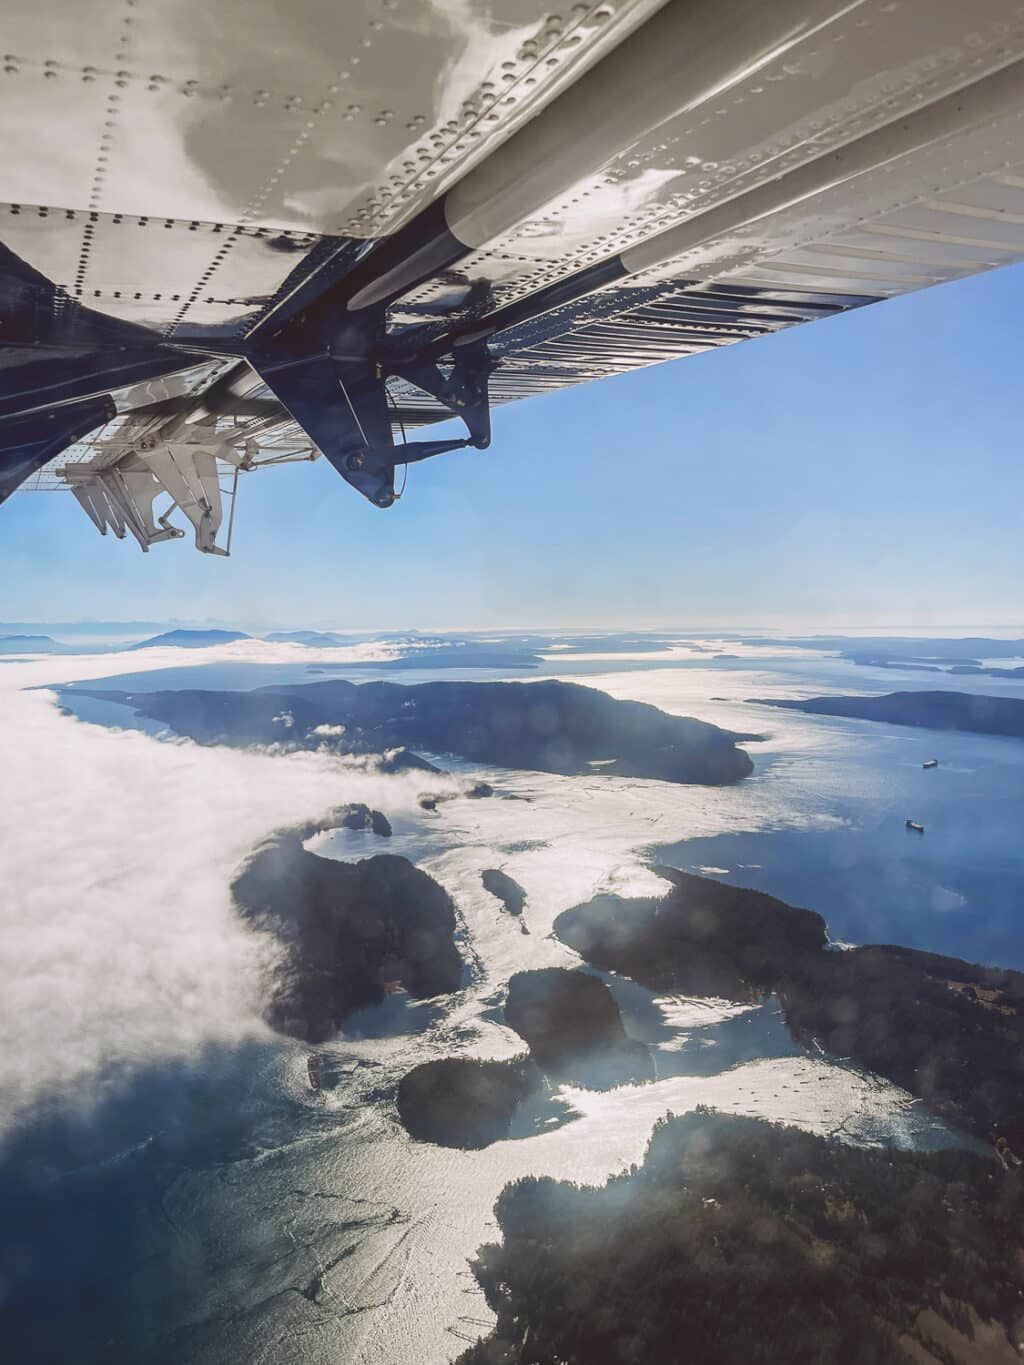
359	816
351	931
741	1243
572	1026
463	1102
702	938
505	888
552	727
950	1032
968	711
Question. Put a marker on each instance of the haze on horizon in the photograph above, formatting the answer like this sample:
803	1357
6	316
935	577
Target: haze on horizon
857	473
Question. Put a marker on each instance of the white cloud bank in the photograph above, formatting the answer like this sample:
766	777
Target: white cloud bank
119	945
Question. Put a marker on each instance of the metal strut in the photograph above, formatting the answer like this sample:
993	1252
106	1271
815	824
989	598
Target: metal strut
182	462
339	398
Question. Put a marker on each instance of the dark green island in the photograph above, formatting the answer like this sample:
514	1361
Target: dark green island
977	714
463	1102
573	1028
351	931
551	727
950	1032
505	888
737	1242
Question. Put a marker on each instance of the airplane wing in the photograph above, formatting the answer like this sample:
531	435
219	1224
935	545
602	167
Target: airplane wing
246	233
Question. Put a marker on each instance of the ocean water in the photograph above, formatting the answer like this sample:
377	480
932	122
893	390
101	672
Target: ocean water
828	805
193	1200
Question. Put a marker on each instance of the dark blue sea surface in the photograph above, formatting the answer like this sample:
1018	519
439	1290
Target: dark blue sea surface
956	888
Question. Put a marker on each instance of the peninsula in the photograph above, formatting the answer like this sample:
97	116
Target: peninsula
978	714
950	1032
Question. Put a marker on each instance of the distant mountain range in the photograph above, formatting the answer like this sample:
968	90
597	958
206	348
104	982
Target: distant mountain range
312	638
191	639
410	649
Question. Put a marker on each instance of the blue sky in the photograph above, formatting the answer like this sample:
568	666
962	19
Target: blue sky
861	471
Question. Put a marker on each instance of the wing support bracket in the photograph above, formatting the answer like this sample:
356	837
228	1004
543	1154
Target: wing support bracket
340	399
183	465
464	390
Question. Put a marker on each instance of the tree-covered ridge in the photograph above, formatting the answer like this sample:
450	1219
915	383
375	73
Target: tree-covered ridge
951	1032
741	1243
703	937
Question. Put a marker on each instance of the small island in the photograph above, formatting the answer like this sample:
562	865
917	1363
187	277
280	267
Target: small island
360	816
462	1102
573	1028
351	932
505	888
737	1242
551	727
404	761
974	713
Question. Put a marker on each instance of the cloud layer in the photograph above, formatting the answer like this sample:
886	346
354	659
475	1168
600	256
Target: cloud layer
118	942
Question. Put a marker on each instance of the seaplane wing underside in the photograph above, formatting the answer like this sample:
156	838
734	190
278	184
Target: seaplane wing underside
241	234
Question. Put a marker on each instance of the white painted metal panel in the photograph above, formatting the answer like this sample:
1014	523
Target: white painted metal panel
791	82
325	115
